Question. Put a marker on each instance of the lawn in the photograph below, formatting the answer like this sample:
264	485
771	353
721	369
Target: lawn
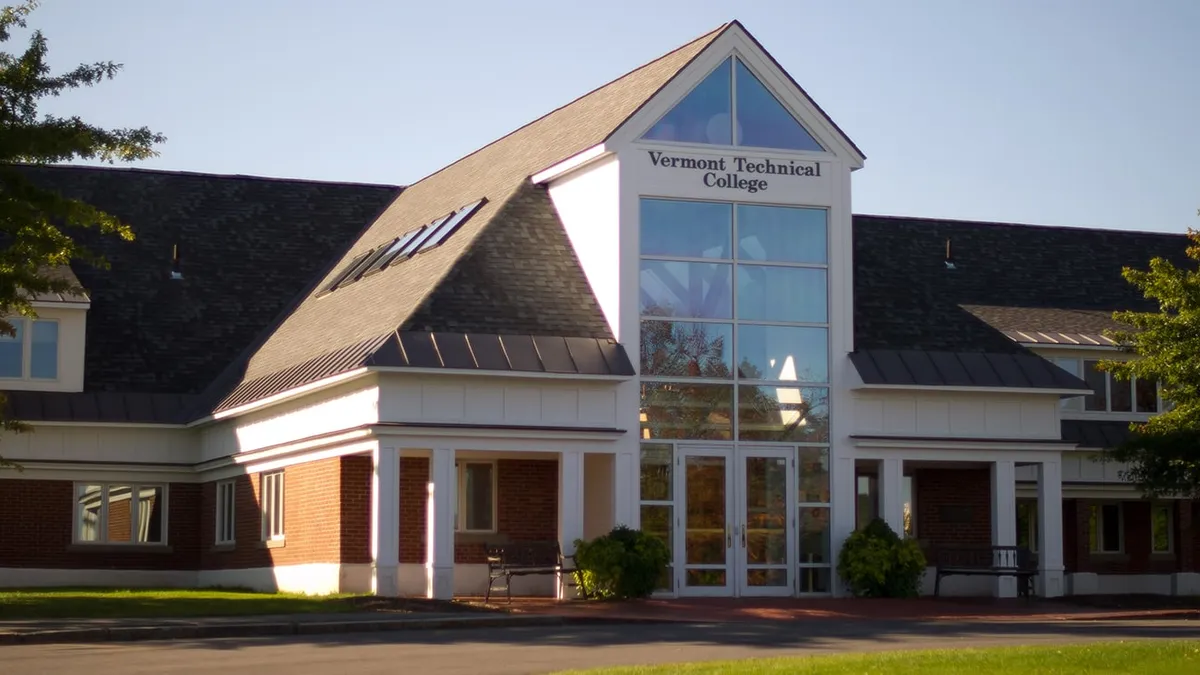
75	603
1108	658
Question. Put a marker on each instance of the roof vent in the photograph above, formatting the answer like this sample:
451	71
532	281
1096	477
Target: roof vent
949	256
176	270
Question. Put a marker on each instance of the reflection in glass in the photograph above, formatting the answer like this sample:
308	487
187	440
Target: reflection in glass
813	476
656	522
781	234
120	513
686	290
783	353
1097	380
43	355
687	349
479	498
12	351
705	520
690	411
763	122
704	115
766	511
150	515
814	535
705	577
683	229
766	577
815	579
89	500
656	473
767	413
766	293
1122	395
1147	395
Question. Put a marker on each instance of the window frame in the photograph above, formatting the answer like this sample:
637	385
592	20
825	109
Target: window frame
226	513
275	482
461	501
26	329
134	514
1078	404
1098	549
1170	511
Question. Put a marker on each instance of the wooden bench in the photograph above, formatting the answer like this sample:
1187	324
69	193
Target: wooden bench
526	558
996	561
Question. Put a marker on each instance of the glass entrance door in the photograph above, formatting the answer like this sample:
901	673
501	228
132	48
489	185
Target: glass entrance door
766	521
705	538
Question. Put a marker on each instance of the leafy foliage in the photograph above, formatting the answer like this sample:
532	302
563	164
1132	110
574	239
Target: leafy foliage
625	563
34	222
1164	453
875	562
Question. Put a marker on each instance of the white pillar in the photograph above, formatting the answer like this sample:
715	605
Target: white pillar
891	497
1049	530
570	507
626	476
385	521
843	493
1004	518
439	525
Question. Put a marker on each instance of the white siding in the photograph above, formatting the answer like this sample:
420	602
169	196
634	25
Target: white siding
956	415
102	444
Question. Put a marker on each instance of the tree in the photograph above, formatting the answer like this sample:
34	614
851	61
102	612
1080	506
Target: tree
1164	453
35	222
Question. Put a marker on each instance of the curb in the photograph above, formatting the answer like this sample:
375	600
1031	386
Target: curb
293	628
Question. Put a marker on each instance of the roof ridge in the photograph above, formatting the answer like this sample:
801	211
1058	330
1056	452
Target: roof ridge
204	174
999	223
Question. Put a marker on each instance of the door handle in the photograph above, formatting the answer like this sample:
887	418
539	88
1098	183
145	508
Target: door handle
728	537
743	535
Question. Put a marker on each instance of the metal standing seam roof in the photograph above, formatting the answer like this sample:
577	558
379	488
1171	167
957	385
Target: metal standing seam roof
962	369
1095	434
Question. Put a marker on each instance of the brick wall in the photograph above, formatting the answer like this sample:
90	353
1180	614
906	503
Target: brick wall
954	506
37	525
527	508
1137	557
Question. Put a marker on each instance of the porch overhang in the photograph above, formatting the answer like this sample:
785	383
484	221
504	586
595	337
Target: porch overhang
941	447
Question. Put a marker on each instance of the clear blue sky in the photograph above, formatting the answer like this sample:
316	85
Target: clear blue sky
1065	112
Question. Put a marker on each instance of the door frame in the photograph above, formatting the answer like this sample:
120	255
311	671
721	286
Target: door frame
741	494
682	452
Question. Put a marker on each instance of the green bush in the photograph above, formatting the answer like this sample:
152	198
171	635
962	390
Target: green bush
876	563
624	563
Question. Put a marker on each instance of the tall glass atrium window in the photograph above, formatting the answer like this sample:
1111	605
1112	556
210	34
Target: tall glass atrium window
731	106
734	322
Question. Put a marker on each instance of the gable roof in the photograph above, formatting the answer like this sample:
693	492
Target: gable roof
359	317
1006	279
247	246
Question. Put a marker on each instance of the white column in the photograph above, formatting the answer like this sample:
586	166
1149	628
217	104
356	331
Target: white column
842	492
891	497
570	507
439	525
385	521
1049	530
1004	518
626	486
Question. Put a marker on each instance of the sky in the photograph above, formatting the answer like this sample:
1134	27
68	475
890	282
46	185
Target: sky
1058	112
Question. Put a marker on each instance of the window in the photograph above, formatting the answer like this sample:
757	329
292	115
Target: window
1110	394
226	528
656	501
120	513
1161	528
31	352
272	506
1027	517
1105	528
476	497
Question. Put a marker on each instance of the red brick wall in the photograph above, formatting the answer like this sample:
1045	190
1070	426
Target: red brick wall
1137	557
37	521
527	508
945	495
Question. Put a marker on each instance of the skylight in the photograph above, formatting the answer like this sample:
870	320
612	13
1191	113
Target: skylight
405	246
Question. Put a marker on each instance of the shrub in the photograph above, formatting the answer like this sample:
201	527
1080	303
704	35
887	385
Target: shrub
876	563
624	563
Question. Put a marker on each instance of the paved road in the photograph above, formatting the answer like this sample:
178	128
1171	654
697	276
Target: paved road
543	650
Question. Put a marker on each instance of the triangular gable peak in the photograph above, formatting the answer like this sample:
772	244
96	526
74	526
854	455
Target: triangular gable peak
734	94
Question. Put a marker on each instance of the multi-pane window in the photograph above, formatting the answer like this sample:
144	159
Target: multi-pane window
31	352
226	528
120	513
735	334
814	513
1161	527
476	509
1110	394
1105	530
272	506
657	500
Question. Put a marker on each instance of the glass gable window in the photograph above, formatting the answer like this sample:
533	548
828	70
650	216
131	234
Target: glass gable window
731	106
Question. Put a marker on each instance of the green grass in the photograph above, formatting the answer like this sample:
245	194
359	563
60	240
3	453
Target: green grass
1140	658
92	603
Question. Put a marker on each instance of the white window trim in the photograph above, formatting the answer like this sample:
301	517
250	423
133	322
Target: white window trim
1078	404
460	521
1170	509
224	514
277	477
1099	506
27	352
134	515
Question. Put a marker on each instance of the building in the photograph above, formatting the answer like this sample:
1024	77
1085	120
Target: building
651	307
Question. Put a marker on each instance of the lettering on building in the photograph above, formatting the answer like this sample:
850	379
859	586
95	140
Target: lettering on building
736	173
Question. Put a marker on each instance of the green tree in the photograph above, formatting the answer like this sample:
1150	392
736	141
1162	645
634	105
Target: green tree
1164	453
35	223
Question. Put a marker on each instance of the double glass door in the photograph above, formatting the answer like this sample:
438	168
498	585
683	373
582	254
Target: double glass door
736	534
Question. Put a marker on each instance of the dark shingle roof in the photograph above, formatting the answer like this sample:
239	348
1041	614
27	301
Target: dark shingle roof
1005	276
433	290
248	246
